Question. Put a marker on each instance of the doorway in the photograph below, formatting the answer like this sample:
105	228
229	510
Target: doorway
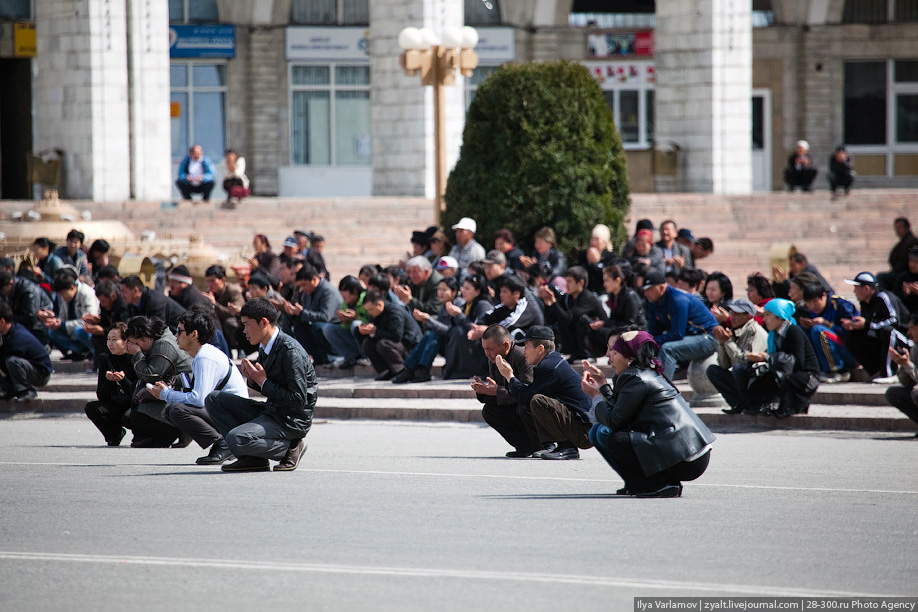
15	128
761	140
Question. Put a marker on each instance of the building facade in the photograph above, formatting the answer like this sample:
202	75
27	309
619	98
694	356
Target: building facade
708	95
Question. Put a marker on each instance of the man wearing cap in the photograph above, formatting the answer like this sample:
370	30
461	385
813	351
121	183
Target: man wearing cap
878	329
559	408
501	411
642	224
647	253
447	266
680	323
686	238
466	250
824	321
421	291
744	336
291	250
675	255
26	299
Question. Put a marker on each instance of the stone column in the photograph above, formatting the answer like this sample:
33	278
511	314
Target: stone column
81	94
402	110
151	132
703	62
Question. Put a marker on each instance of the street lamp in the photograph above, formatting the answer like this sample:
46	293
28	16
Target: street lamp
436	62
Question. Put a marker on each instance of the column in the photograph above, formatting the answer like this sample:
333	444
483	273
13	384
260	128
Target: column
703	62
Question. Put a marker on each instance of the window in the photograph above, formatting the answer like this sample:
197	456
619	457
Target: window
330	115
198	93
628	89
15	9
193	11
879	11
865	103
482	12
330	12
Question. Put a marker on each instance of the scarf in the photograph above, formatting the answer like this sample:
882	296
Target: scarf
628	344
783	309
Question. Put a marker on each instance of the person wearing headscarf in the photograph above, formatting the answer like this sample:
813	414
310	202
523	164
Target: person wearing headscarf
644	428
781	381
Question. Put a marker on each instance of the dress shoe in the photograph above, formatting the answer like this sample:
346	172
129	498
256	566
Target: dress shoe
562	453
183	441
422	374
547	448
624	491
219	452
117	442
7	396
519	454
402	377
737	410
292	458
151	443
26	396
347	364
667	491
387	375
247	464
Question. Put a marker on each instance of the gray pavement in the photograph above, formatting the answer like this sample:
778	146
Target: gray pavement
427	516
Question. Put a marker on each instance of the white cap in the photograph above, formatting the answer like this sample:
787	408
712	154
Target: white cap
466	223
447	262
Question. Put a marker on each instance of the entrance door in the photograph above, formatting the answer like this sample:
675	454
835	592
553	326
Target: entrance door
198	92
15	128
761	140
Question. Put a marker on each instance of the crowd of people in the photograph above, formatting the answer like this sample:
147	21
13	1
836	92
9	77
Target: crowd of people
512	323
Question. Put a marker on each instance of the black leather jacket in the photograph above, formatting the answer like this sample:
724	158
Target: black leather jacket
664	430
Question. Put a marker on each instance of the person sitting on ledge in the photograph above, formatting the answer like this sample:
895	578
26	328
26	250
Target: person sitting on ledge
644	429
196	174
800	171
24	362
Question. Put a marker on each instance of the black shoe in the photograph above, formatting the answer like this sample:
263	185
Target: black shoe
737	410
562	453
293	456
151	443
387	375
26	396
422	374
183	441
247	464
219	452
667	491
8	396
623	491
546	448
347	364
117	442
402	377
519	454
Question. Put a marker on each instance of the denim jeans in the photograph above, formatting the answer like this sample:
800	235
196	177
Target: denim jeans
832	355
425	352
341	341
687	349
79	342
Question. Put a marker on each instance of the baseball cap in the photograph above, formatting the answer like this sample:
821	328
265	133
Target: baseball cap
538	332
644	224
864	279
466	223
447	262
290	241
654	277
495	257
687	234
742	306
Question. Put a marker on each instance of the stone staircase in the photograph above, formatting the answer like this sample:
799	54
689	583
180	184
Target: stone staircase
353	394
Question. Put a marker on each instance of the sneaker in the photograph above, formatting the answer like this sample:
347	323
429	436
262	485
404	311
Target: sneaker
26	396
885	380
834	377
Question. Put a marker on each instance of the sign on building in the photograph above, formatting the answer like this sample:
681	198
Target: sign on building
192	41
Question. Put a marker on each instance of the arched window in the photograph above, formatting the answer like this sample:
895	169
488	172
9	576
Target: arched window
482	12
330	12
193	11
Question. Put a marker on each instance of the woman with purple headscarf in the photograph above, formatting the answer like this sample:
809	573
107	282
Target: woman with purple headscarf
644	428
779	382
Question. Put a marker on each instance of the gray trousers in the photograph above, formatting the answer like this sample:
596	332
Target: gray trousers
248	431
21	376
193	421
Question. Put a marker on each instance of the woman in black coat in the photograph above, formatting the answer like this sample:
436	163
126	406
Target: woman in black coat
644	429
625	308
115	388
777	383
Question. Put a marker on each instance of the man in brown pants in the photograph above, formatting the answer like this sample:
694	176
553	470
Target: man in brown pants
559	408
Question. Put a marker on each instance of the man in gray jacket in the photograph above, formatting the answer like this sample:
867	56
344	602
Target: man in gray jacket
316	307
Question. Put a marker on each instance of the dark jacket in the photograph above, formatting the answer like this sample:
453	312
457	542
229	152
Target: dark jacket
291	385
156	304
654	259
554	260
898	255
884	311
321	305
190	297
678	250
27	299
525	315
567	311
521	369
424	297
627	312
513	259
19	342
116	394
594	270
676	315
395	323
554	378
664	431
231	294
165	359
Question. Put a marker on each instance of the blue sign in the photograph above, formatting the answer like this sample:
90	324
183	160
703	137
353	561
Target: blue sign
202	41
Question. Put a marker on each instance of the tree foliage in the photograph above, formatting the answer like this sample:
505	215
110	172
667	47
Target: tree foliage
540	148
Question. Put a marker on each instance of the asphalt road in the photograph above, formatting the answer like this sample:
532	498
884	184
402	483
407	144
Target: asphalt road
410	516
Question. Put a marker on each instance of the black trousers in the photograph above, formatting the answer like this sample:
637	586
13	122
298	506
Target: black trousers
187	189
146	427
732	384
872	350
514	423
385	354
904	399
802	178
616	449
195	422
108	419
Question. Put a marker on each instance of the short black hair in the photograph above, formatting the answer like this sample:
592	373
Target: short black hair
64	279
691	277
6	312
351	284
760	284
514	284
258	309
199	320
307	273
110	272
259	280
6	277
913	319
100	245
813	290
216	270
106	287
44	243
578	273
132	282
798	258
451	283
146	327
497	333
706	243
373	297
74	233
380	282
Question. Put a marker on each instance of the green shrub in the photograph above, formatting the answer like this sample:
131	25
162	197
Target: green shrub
540	148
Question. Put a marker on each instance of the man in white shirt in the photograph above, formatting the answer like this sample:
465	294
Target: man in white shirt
211	370
466	250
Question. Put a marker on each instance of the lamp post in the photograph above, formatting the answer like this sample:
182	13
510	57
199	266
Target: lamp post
436	62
